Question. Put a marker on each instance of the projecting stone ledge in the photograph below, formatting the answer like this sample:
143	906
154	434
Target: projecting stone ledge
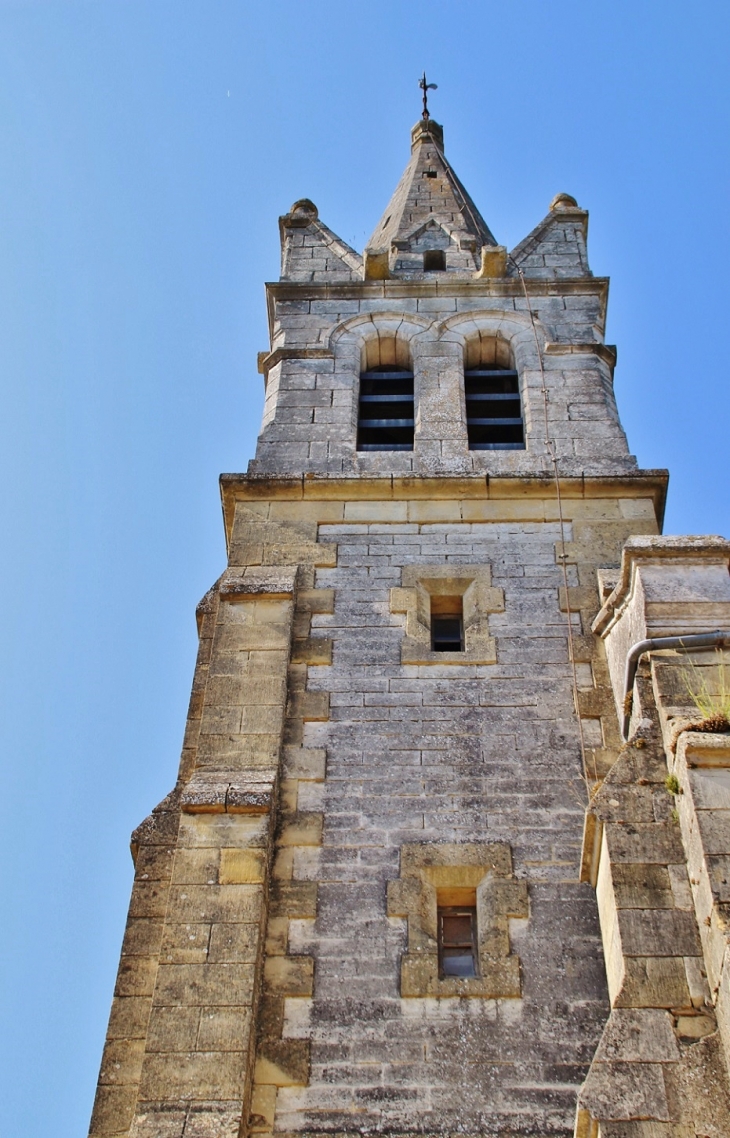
219	794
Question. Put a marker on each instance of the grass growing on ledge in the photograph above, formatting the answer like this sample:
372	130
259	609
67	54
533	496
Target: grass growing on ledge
709	690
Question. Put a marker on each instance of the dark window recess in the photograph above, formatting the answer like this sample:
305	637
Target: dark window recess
385	411
434	261
457	940
430	173
493	409
447	624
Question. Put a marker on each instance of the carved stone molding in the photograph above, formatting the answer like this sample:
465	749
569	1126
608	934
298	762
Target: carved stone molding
430	871
471	582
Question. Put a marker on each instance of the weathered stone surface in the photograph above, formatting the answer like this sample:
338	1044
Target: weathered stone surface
659	912
340	780
625	1091
640	1036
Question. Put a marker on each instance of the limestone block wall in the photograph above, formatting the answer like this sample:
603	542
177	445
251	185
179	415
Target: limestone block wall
443	756
655	847
702	769
319	337
179	1054
456	756
556	248
261	981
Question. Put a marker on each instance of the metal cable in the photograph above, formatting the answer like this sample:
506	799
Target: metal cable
563	556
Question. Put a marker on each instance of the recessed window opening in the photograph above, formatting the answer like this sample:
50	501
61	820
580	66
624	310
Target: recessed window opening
456	916
493	409
491	389
385	418
447	624
434	261
430	173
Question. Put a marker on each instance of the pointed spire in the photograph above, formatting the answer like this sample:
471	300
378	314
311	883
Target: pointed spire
430	210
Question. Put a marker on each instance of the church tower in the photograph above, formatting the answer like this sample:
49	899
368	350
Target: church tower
411	879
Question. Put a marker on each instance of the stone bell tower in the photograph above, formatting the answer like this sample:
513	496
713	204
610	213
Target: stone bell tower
369	904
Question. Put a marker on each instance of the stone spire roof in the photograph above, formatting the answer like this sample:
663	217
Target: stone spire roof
430	197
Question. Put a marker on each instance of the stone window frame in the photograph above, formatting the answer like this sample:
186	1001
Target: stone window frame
348	345
516	330
413	597
357	343
427	868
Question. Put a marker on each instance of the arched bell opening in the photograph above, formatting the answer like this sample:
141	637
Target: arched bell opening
494	418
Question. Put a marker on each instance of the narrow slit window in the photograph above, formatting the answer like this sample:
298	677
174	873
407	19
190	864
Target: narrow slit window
385	418
434	261
447	624
457	941
493	409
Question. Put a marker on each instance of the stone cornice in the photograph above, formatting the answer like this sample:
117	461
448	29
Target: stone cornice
680	548
312	487
449	286
605	352
267	360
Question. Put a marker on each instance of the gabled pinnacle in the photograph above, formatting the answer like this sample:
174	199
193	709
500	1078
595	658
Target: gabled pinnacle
430	209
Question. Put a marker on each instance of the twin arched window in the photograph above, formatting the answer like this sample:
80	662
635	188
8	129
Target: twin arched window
386	413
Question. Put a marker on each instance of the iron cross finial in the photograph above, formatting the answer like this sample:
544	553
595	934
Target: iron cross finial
426	87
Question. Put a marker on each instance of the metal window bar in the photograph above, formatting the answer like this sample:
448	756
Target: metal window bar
457	941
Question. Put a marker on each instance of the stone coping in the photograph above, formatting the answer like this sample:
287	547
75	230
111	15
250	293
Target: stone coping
682	547
704	748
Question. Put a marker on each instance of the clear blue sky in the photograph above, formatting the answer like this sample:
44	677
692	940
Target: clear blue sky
148	147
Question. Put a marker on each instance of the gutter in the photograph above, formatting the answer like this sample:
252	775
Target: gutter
690	643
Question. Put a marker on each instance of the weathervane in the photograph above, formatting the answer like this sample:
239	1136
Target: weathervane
426	87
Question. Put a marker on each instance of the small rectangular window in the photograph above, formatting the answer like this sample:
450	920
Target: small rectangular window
434	261
457	941
447	624
493	409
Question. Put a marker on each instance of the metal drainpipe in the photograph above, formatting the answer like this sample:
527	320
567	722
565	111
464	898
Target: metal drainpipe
690	643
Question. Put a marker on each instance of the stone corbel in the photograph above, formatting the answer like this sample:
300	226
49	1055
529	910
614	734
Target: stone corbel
265	361
276	581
